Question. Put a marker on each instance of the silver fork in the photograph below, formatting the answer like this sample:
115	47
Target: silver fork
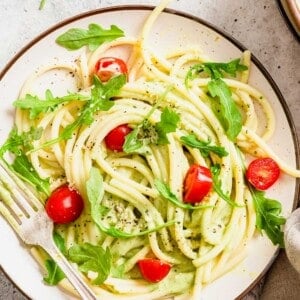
27	216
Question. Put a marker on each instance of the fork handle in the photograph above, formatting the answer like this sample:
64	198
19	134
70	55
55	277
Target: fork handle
81	287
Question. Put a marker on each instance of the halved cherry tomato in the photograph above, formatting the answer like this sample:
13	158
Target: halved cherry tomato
64	205
153	270
197	183
262	173
107	67
115	139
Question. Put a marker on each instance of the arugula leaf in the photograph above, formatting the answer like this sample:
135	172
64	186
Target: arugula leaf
23	167
95	192
268	218
215	70
227	110
224	106
35	105
215	170
117	271
133	143
145	133
16	143
100	100
93	37
92	258
101	95
114	232
168	123
205	148
60	243
165	191
42	4
55	274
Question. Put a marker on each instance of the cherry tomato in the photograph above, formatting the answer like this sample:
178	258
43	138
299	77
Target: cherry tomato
115	139
64	205
197	183
153	270
262	173
107	67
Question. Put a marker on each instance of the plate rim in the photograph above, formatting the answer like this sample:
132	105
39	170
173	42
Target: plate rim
211	26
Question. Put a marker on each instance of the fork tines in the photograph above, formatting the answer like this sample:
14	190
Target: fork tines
17	201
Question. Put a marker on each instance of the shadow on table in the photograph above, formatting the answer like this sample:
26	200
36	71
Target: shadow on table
282	281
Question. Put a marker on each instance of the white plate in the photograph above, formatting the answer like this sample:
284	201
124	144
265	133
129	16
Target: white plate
171	30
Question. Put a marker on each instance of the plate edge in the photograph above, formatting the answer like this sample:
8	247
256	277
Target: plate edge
215	28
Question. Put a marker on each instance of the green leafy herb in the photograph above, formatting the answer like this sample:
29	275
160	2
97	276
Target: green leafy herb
165	191
145	133
168	123
95	192
268	212
60	243
101	95
223	104
215	170
205	148
268	216
18	143
92	258
118	271
133	140
216	70
225	108
114	232
93	37
35	105
23	167
42	4
55	274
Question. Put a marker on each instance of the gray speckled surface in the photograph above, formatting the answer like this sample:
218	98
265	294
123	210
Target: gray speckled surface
256	24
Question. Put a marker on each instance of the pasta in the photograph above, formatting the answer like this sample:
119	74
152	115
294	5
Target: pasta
201	243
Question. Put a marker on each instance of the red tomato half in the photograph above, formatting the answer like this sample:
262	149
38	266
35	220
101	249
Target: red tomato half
197	184
153	270
115	139
64	205
262	173
107	67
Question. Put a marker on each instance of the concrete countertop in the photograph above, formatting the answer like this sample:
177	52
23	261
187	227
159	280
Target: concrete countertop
256	24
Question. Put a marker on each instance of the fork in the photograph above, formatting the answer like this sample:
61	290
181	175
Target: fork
27	216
